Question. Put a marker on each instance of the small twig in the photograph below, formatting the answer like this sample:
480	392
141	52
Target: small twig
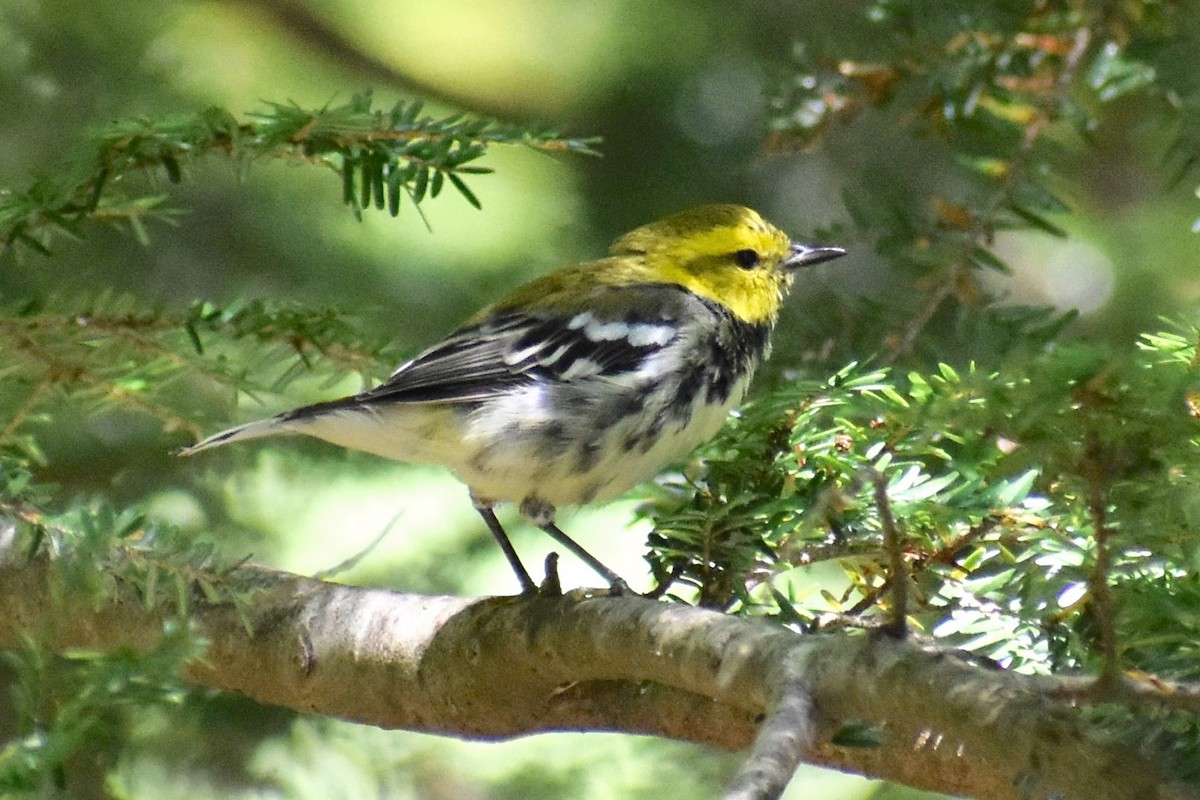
1139	690
943	555
786	735
22	413
551	585
667	581
870	597
1101	592
893	541
60	371
918	323
1071	64
815	553
353	561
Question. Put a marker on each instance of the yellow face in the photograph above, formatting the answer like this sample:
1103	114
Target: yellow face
726	253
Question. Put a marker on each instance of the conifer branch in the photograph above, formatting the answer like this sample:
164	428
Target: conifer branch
503	667
106	354
383	156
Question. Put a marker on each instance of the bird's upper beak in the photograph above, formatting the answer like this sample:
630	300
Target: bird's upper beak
806	255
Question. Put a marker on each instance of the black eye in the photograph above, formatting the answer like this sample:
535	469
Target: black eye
746	258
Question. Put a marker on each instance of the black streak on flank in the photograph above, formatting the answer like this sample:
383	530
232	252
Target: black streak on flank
737	348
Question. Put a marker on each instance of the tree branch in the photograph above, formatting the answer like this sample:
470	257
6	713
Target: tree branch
787	734
323	39
502	667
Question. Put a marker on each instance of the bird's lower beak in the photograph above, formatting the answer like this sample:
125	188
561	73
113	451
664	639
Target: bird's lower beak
806	255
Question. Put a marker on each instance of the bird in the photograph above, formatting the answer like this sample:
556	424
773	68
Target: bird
582	383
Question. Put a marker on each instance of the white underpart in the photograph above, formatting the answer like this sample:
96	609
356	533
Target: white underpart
404	432
499	449
499	456
513	470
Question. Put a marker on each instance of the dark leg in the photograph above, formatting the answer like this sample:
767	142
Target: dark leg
616	583
489	517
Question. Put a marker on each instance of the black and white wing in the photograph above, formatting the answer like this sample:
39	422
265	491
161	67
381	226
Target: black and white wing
510	348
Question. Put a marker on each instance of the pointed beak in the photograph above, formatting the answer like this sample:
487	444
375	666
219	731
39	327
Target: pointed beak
807	255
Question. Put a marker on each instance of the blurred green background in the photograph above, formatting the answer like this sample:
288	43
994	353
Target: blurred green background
681	93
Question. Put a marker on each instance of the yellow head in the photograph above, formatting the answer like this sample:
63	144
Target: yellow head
726	253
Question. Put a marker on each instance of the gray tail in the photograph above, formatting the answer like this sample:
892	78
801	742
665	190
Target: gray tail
275	426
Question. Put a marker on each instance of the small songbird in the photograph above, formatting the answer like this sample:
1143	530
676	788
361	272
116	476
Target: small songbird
585	382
